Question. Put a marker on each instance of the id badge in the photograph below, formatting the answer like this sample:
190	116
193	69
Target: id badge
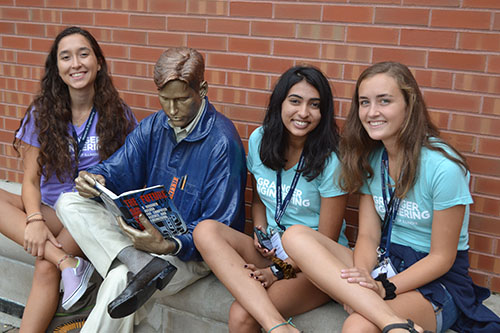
276	240
385	266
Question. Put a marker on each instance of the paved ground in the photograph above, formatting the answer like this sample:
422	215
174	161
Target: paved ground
7	328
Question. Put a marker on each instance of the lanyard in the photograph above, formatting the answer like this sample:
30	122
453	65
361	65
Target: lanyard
281	205
80	141
391	205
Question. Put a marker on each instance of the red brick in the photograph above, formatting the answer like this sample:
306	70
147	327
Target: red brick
114	51
484	165
434	78
135	100
30	29
372	35
77	17
406	56
428	38
19	43
488	4
460	61
332	70
166	39
186	24
204	42
296	49
388	2
244	80
269	65
452	101
230	26
227	95
92	4
430	3
244	113
43	15
273	29
484	262
29	86
251	9
480	41
479	278
491	106
489	146
352	72
478	83
129	36
149	22
141	5
440	119
215	77
297	12
462	142
17	14
489	186
27	3
112	19
402	16
343	89
28	58
462	19
132	68
141	84
210	7
493	64
18	98
480	125
250	45
496	25
495	284
145	53
170	6
100	34
346	52
61	3
348	13
222	60
320	31
7	28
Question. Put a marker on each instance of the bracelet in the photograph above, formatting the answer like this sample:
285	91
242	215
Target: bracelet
390	288
62	259
286	268
277	271
34	214
35	220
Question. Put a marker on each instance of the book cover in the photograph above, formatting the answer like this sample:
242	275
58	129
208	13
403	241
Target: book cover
153	202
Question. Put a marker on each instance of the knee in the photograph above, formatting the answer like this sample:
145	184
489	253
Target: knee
293	234
240	319
357	323
46	272
205	232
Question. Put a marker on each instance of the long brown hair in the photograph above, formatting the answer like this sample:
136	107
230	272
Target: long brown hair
415	133
51	110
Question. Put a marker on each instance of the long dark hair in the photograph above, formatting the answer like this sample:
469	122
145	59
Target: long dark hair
320	142
52	113
415	133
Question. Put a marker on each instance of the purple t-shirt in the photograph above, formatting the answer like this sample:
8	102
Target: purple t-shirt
51	188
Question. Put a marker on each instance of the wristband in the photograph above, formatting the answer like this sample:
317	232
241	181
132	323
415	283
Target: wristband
35	220
277	271
390	288
34	214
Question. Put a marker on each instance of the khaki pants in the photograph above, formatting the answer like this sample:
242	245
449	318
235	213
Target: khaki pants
101	239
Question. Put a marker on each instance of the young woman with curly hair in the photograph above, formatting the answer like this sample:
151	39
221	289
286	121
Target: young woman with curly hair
409	269
292	156
77	120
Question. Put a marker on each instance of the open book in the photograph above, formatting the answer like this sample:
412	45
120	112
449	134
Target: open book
153	202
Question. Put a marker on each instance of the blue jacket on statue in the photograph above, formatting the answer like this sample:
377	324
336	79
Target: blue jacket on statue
211	159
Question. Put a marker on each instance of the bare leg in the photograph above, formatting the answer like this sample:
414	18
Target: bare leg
226	251
321	260
290	297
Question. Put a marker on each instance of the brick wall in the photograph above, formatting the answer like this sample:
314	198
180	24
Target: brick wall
452	46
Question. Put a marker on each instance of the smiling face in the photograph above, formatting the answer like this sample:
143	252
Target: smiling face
180	102
76	62
300	111
382	108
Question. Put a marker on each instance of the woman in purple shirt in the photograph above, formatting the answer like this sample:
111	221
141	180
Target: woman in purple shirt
75	121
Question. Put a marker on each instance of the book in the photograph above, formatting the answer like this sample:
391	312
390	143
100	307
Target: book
153	202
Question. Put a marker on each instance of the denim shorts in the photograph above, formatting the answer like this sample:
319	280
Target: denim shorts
447	314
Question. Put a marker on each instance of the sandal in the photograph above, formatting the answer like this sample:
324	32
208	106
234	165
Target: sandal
409	326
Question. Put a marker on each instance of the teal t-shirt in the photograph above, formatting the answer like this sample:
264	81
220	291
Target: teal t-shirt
304	207
441	184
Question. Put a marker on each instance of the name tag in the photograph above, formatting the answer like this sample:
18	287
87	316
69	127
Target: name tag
385	266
